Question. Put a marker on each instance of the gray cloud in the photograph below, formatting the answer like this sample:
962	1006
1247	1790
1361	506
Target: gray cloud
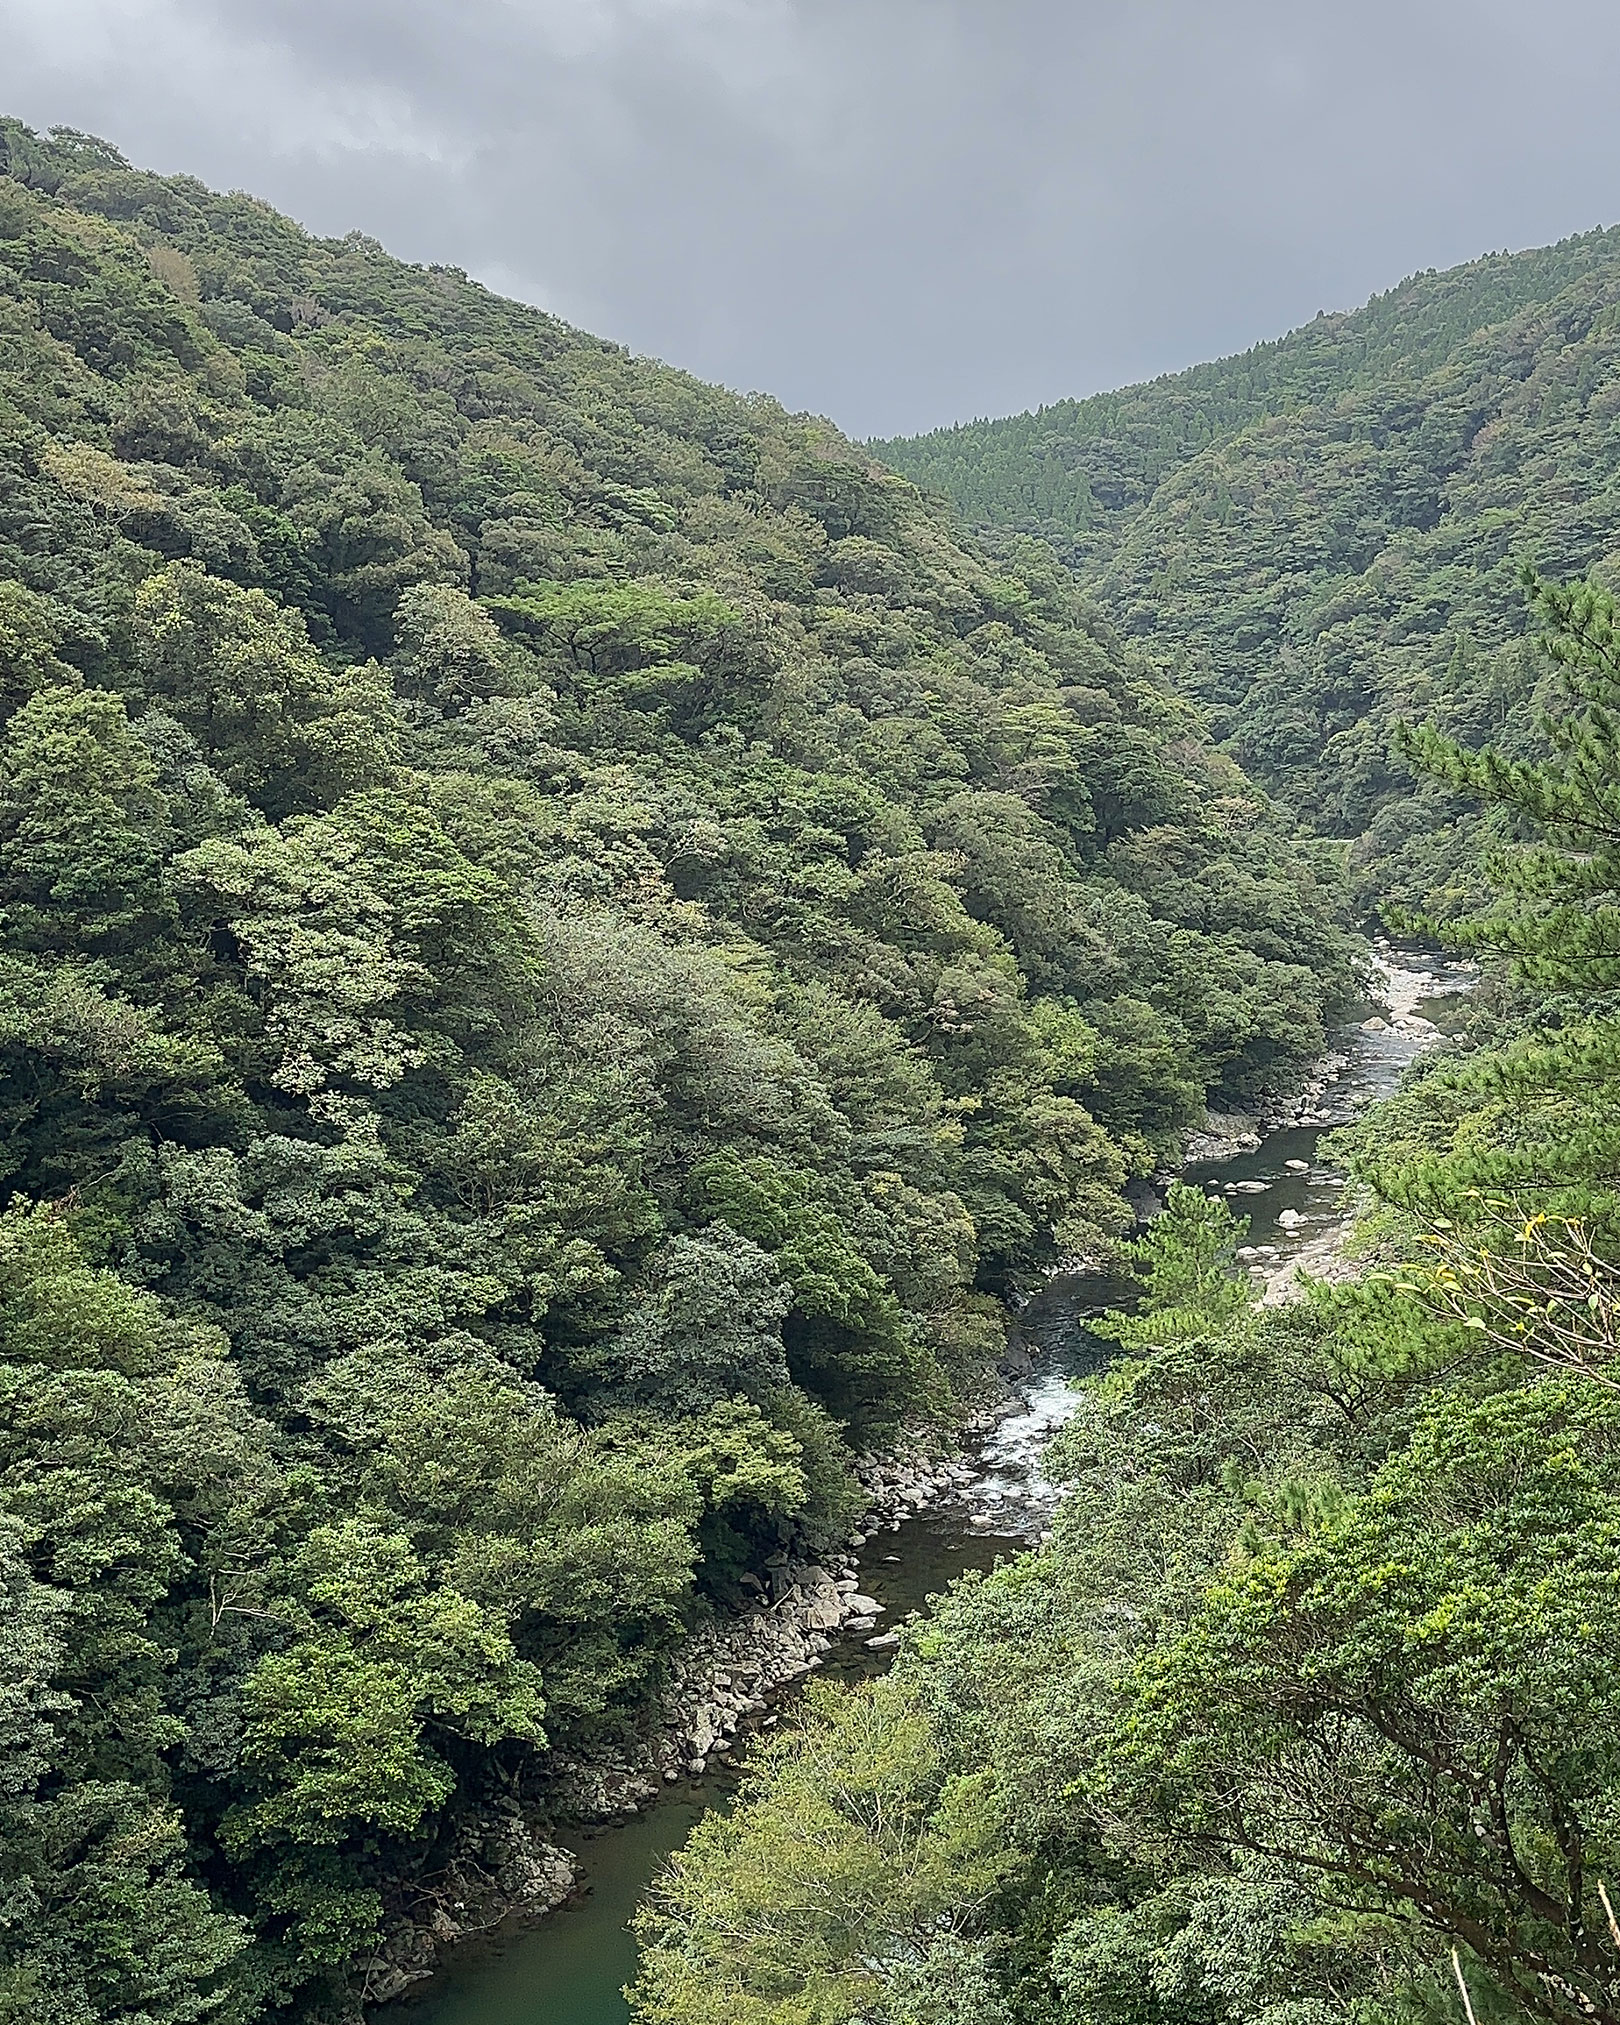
897	212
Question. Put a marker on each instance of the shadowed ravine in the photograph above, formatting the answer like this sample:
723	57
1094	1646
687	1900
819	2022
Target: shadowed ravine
570	1968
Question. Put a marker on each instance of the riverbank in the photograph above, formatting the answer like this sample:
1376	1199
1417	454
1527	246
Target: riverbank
930	1518
725	1678
1314	1208
1328	1096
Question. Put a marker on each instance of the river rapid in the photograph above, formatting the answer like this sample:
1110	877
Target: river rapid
571	1966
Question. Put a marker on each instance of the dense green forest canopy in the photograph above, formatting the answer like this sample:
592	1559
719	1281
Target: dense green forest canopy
563	941
1322	536
1310	1710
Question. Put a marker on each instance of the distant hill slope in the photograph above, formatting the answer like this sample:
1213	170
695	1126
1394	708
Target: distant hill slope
1077	472
1324	534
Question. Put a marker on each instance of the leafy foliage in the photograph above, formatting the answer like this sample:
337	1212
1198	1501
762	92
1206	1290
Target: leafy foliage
1321	537
561	940
1307	1711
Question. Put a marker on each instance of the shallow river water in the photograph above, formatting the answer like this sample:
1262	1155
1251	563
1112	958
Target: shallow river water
571	1966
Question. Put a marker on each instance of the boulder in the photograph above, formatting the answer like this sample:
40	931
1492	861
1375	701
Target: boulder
821	1606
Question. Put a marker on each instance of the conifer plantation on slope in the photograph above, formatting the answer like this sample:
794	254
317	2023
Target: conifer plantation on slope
1323	535
562	941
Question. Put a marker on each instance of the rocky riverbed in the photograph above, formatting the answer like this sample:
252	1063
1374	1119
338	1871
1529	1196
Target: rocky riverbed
951	1511
724	1680
1275	1166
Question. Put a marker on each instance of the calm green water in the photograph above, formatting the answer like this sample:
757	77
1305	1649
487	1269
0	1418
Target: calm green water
571	1967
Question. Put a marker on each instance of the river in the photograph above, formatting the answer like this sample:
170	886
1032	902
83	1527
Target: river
571	1966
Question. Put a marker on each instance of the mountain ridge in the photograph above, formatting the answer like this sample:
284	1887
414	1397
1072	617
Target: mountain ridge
1342	552
968	478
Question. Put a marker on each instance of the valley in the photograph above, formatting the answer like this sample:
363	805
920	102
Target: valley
571	1967
590	969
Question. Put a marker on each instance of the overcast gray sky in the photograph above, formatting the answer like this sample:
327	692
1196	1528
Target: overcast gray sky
896	212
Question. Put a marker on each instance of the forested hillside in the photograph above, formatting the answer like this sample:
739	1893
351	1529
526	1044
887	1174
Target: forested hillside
563	941
1306	1713
1310	1710
1323	536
